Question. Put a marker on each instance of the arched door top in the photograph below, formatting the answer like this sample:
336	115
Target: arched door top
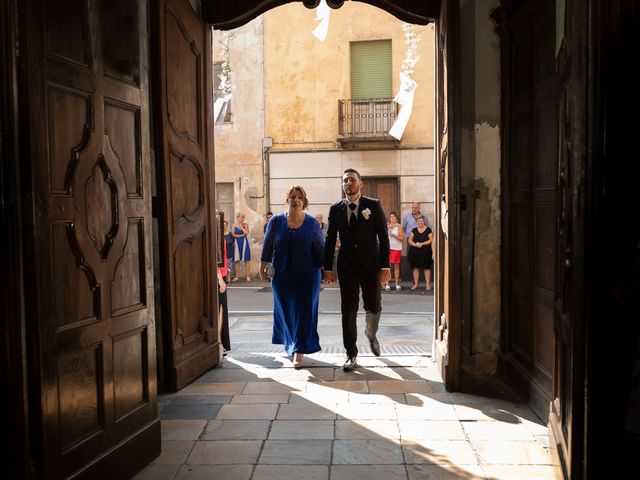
228	15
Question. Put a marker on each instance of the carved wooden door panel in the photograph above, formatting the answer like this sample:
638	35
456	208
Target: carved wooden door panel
91	310
188	233
447	309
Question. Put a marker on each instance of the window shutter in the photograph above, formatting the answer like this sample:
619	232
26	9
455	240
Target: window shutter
371	70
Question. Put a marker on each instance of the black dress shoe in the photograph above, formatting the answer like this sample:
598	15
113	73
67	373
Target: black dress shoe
375	346
350	364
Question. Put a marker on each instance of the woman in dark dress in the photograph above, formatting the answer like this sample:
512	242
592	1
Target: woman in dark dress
294	243
230	246
420	256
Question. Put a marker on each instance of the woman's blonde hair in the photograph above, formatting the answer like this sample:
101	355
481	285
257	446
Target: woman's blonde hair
305	200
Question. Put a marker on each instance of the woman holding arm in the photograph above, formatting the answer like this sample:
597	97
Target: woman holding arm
294	244
420	256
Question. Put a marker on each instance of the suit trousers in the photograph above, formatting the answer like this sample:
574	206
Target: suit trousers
352	279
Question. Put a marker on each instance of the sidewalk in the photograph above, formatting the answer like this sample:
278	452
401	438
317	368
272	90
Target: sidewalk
256	418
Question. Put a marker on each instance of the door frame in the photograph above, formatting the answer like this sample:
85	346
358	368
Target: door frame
13	370
449	201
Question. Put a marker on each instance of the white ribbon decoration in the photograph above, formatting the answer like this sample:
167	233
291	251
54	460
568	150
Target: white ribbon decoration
220	108
404	98
322	14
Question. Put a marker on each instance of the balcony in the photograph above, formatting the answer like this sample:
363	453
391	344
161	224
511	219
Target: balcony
366	121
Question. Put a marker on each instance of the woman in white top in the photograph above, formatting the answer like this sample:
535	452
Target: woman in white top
396	237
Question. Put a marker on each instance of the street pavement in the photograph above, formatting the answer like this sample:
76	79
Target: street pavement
406	325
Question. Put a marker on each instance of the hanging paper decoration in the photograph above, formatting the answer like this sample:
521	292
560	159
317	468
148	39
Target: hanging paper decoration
404	98
226	86
322	14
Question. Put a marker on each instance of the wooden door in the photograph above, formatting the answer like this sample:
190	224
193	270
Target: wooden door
566	422
185	159
90	308
448	205
14	441
385	190
530	189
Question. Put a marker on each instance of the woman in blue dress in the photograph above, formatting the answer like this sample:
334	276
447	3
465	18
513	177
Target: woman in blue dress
294	244
242	251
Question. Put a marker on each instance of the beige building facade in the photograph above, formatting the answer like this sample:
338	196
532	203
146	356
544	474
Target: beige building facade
284	122
240	180
305	79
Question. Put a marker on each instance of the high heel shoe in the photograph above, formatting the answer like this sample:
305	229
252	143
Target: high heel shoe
297	360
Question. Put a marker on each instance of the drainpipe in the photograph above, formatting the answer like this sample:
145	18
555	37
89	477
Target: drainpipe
267	143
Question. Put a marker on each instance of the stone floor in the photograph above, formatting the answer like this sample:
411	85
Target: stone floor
256	418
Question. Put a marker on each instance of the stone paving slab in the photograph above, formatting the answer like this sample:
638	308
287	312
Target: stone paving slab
390	419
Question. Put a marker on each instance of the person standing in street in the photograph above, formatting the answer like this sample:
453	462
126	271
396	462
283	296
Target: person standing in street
223	273
230	248
420	257
267	218
323	225
396	237
363	261
242	253
410	219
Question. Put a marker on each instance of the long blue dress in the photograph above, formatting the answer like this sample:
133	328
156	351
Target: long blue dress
242	251
297	257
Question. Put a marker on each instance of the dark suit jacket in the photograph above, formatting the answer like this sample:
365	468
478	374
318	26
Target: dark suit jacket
368	239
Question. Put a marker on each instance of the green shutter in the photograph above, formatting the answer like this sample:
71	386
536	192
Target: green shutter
371	69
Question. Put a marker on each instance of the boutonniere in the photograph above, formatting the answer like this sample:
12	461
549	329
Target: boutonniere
365	213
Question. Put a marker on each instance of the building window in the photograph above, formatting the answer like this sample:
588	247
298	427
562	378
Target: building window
371	70
217	93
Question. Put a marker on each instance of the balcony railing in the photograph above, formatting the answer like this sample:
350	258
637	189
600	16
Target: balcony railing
366	119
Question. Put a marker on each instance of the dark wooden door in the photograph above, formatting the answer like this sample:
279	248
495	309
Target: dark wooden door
530	180
90	284
185	158
385	190
446	225
566	420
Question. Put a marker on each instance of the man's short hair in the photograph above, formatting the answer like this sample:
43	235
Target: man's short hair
352	170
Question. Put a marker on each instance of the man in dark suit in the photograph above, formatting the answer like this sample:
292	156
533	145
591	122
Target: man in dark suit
363	261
